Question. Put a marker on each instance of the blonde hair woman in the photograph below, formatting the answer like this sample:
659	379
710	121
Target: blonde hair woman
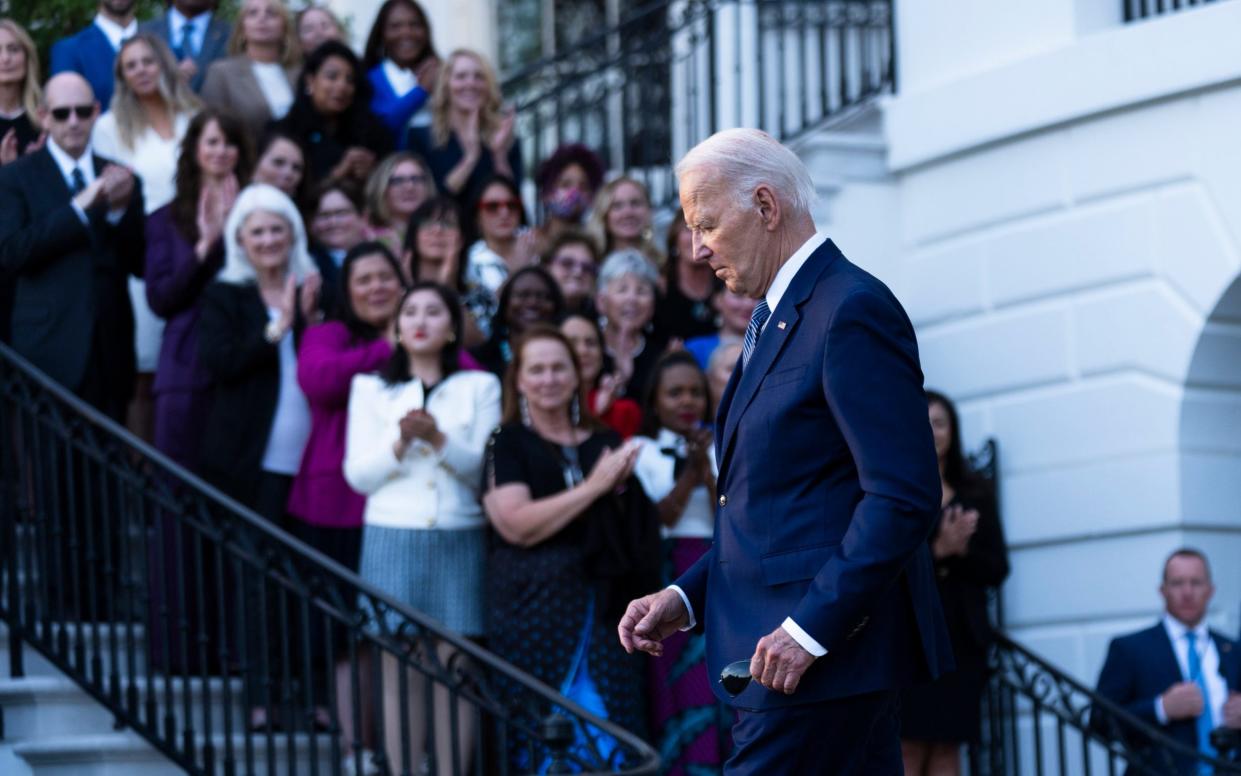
397	187
471	135
19	92
150	112
257	80
622	219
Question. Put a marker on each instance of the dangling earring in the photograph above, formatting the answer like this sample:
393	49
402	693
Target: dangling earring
524	406
575	412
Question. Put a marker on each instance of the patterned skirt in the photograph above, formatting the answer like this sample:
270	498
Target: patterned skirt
437	572
692	729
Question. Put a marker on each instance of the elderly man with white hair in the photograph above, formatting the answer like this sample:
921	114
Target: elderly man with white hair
819	583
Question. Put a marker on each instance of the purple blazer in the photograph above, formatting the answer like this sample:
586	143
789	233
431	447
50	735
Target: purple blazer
327	361
175	280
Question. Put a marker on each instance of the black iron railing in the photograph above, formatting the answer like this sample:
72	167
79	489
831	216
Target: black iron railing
181	612
1136	10
673	72
1038	720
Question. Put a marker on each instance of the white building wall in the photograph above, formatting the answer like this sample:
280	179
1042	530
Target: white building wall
1069	199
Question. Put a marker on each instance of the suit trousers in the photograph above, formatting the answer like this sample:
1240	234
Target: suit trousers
857	735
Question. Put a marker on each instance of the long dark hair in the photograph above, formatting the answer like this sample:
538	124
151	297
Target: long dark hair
608	365
957	471
438	208
374	51
189	178
396	371
650	392
358	328
270	136
499	323
303	119
512	405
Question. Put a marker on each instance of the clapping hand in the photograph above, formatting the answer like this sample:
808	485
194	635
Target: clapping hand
698	444
428	73
118	186
502	140
308	296
420	424
613	468
8	146
955	530
1182	700
1232	711
214	202
609	387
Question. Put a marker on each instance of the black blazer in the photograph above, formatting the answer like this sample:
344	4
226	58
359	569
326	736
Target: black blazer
70	280
245	375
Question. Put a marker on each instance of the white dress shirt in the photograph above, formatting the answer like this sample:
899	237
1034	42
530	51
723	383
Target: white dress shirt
425	488
655	470
66	163
115	33
779	284
1208	655
290	424
198	29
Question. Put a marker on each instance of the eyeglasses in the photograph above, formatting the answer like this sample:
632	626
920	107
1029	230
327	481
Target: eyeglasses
569	265
83	112
407	180
335	215
495	206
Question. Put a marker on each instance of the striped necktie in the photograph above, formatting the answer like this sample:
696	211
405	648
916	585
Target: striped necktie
760	316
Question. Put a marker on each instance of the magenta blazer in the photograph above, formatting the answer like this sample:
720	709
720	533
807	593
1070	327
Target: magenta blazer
326	363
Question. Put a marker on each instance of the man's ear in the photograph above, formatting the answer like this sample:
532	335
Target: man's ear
768	207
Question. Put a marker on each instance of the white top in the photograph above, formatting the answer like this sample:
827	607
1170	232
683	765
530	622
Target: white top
115	33
1208	653
425	488
486	268
274	84
654	469
402	80
152	158
290	426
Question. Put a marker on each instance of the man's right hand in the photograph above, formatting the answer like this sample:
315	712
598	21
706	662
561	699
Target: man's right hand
651	619
1182	700
89	196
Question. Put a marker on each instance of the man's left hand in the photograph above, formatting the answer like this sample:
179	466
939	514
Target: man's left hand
1232	711
779	662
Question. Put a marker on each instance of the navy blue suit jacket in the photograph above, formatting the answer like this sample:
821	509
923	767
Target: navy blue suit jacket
828	490
90	54
214	45
1141	666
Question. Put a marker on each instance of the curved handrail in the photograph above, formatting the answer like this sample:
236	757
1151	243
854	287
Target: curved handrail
287	562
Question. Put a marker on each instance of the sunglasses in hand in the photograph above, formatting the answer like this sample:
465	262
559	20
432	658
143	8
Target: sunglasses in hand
736	677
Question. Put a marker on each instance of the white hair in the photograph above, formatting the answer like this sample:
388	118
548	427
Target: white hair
269	199
748	158
627	261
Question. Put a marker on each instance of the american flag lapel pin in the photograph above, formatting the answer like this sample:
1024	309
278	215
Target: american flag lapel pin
780	325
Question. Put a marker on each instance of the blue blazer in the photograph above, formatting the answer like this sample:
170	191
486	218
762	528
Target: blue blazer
90	54
214	46
828	489
1141	666
394	111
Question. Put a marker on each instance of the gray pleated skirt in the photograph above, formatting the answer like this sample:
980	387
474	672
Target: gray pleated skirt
436	572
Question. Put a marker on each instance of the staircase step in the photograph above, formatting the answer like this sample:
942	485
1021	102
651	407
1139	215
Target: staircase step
126	754
51	706
35	664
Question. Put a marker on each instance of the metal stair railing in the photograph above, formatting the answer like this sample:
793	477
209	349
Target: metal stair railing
673	72
1037	719
177	609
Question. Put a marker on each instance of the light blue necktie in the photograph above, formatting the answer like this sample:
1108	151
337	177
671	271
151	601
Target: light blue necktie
760	316
1204	722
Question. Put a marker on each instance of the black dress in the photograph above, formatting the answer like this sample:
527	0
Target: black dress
541	599
947	710
680	316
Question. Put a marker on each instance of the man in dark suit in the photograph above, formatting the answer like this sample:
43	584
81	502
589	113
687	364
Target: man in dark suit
71	231
1177	675
820	572
194	35
92	51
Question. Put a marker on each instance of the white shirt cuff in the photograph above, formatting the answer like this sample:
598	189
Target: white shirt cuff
688	608
801	637
1160	714
81	213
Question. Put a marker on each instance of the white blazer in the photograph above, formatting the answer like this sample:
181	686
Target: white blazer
425	488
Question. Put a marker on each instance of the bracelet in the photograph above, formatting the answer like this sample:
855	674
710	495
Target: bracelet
273	333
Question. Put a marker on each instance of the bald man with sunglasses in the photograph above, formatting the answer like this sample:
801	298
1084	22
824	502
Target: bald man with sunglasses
71	231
